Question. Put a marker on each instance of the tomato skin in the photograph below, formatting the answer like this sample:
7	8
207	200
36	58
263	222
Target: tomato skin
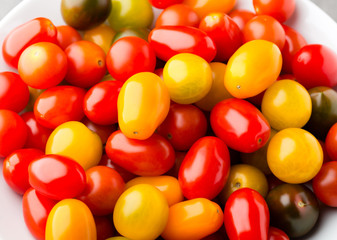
36	30
106	161
246	215
330	142
164	42
178	14
314	65
102	131
162	4
66	35
36	209
281	10
104	227
57	177
14	93
241	17
205	7
101	35
240	125
277	234
150	157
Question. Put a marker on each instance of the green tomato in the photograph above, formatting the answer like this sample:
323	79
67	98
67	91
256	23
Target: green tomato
135	32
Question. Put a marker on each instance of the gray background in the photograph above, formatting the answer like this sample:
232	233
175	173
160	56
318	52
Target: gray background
329	6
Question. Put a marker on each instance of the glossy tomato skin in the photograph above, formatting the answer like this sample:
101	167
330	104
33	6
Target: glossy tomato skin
205	7
178	14
330	142
36	30
246	215
241	17
36	209
240	125
57	177
14	93
150	157
163	40
103	131
162	4
58	105
66	35
281	10
277	234
101	35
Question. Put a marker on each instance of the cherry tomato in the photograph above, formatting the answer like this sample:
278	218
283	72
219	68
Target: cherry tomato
315	65
241	17
13	132
203	7
106	161
42	65
142	33
33	95
277	234
103	131
330	142
144	220
67	35
179	157
281	10
164	42
128	56
326	157
162	4
240	125
246	215
150	157
104	227
101	35
33	31
58	105
14	93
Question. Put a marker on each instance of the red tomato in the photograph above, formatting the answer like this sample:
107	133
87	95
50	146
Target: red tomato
13	132
128	56
126	175
241	17
86	64
191	40
104	227
325	184
33	31
277	234
326	157
15	168
36	208
102	131
174	171
161	4
178	14
224	32
58	105
240	125
103	188
315	65
281	10
66	35
100	102
205	168
14	93
246	215
331	142
150	157
183	125
56	176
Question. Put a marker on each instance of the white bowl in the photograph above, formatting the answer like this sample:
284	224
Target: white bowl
308	19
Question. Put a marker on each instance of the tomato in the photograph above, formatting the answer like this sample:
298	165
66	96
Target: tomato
74	140
127	14
330	142
142	33
144	220
77	215
326	157
168	185
104	186
277	234
315	65
67	35
298	214
128	56
143	104
264	27
101	35
245	77
42	65
56	177
205	168
240	125
246	215
203	7
224	32
13	132
192	82
281	10
104	227
150	157
163	4
33	31
179	157
36	209
294	155
85	14
164	42
241	17
126	175
183	125
100	102
178	14
34	93
58	105
325	182
285	104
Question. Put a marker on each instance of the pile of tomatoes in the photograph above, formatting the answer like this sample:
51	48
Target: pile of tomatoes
215	123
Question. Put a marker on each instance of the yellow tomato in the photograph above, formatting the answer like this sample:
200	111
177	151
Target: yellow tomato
102	35
70	219
117	238
193	219
253	68
143	104
141	212
294	155
168	185
73	139
203	7
188	78
286	104
218	91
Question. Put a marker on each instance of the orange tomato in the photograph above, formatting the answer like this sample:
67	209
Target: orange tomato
203	7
